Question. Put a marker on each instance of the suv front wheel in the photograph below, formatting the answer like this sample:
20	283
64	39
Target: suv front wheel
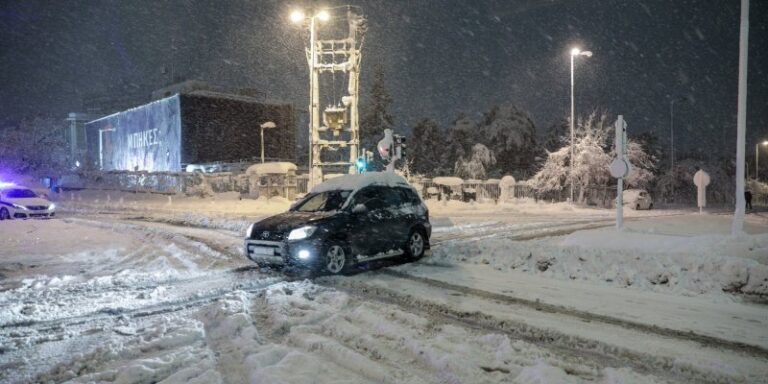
336	259
416	244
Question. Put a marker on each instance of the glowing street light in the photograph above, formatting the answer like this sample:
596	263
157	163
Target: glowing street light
574	52
297	16
765	143
323	15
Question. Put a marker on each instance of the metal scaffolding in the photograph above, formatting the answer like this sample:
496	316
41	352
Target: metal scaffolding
340	128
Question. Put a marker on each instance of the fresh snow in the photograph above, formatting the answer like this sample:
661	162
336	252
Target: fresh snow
448	181
136	288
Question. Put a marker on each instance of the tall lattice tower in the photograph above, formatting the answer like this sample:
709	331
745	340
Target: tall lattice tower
339	131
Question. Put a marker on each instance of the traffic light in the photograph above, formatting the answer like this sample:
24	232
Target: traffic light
400	143
362	164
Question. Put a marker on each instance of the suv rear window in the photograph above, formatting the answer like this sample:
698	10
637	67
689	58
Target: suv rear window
377	197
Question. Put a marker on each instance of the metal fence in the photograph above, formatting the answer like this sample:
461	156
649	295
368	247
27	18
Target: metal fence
291	185
474	190
171	183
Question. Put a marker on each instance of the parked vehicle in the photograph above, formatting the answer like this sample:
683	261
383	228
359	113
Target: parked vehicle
17	202
637	199
342	222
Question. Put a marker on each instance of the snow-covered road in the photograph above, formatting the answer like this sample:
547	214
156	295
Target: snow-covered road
135	298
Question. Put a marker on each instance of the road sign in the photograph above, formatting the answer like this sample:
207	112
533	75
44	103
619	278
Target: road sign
619	168
701	180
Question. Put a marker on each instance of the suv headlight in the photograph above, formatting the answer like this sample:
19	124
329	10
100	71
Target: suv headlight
249	232
19	206
302	233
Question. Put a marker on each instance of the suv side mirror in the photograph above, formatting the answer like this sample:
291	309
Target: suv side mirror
360	208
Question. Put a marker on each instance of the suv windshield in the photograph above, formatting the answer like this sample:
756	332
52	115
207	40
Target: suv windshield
19	193
324	201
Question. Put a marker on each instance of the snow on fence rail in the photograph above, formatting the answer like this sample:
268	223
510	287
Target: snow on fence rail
452	188
171	183
290	185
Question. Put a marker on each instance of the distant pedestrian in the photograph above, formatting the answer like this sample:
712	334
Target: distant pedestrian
748	198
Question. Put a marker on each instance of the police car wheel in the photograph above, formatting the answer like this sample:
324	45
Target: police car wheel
4	214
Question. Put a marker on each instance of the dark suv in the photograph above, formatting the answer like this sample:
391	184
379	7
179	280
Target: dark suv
344	221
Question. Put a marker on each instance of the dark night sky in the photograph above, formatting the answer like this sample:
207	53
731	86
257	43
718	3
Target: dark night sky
440	57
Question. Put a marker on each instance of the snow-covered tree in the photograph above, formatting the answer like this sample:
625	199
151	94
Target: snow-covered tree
35	145
593	153
676	185
553	176
510	133
557	135
591	159
461	137
643	165
425	148
476	165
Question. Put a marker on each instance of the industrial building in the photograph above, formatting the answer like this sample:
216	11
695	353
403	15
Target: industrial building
190	128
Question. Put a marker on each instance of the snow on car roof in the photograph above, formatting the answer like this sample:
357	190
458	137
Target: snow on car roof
274	167
355	182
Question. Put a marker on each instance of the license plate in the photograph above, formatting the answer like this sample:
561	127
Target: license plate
263	251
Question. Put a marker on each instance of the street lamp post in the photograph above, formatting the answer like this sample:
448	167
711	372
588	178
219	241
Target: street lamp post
264	126
574	52
756	157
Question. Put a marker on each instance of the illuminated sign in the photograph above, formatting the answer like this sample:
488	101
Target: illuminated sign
144	139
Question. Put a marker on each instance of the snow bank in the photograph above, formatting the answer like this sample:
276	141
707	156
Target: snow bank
220	211
677	262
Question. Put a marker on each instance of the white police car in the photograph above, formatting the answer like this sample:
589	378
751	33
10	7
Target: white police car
17	202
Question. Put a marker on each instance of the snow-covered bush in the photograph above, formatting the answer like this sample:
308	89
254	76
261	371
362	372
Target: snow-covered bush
510	134
676	185
593	152
477	165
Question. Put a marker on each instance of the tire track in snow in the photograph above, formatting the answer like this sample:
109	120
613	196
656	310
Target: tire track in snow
566	345
704	340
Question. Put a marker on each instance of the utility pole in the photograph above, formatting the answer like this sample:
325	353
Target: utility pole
741	120
574	52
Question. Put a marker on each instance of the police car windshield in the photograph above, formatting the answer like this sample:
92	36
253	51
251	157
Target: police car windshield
19	193
324	201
